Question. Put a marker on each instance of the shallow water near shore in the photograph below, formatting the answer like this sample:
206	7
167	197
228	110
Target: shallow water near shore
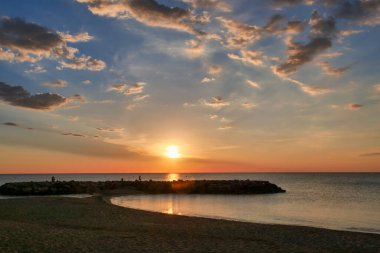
343	201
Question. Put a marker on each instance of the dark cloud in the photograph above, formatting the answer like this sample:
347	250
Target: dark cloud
279	24
23	41
366	12
354	106
11	124
274	23
322	27
322	32
370	154
299	54
16	33
282	3
73	134
109	129
18	96
148	12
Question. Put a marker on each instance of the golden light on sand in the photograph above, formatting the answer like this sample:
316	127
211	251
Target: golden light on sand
172	151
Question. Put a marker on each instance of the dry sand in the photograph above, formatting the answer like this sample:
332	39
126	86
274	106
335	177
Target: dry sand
54	224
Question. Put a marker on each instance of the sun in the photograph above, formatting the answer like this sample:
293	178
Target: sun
172	151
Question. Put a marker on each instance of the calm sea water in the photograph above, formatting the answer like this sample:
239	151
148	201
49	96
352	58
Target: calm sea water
345	201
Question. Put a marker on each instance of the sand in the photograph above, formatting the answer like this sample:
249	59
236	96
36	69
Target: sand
56	224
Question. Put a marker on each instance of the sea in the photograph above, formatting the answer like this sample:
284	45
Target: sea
340	201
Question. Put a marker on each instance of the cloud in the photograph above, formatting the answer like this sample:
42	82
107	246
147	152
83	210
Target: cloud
248	105
299	54
148	12
11	124
277	24
330	70
207	79
73	134
213	116
294	27
120	87
77	97
349	32
56	84
364	12
25	38
216	102
282	3
249	56
354	106
79	37
130	107
35	69
210	4
23	41
135	89
309	89
370	154
87	82
239	35
110	129
83	63
73	118
274	23
18	96
377	87
195	48
226	127
321	34
253	84
215	69
140	97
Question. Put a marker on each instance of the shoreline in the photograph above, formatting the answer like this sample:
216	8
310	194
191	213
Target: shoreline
242	220
107	199
60	224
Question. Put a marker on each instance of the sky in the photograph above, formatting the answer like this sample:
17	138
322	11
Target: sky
90	86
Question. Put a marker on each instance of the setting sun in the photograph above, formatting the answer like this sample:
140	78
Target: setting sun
172	151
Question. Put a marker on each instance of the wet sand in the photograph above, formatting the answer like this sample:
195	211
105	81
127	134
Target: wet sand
54	224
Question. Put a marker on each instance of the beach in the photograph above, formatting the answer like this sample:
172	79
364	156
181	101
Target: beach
57	224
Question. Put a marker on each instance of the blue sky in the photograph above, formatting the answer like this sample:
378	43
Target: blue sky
242	85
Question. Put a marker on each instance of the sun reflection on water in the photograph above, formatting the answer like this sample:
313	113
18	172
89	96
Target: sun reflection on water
172	177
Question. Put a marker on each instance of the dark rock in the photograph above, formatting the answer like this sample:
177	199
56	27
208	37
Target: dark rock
154	187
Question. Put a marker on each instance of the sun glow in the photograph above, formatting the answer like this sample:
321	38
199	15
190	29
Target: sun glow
172	151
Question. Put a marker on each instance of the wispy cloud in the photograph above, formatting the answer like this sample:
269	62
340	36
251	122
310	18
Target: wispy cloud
253	84
249	56
216	103
135	89
330	70
56	84
311	90
79	37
